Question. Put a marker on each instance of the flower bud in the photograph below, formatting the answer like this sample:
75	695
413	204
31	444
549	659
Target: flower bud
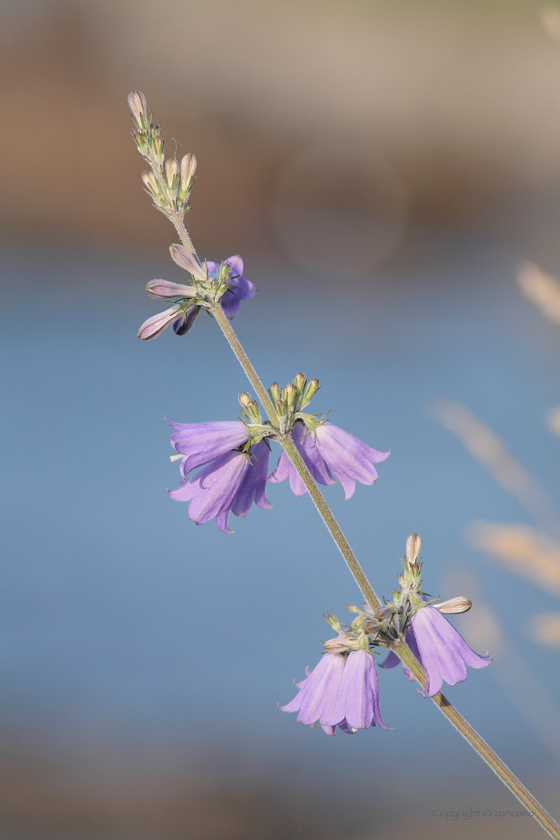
141	141
385	612
299	381
280	407
150	182
171	172
139	107
310	391
166	290
188	168
413	544
158	144
289	394
454	606
244	399
274	391
338	645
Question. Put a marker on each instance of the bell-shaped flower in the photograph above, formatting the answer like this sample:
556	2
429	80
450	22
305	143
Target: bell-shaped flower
357	701
316	698
444	654
333	451
233	481
239	288
440	649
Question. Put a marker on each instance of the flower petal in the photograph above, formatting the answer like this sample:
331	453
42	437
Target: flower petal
357	702
317	696
201	443
254	484
155	325
443	651
349	458
182	325
185	259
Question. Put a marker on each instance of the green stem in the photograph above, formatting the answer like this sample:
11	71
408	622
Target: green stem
400	647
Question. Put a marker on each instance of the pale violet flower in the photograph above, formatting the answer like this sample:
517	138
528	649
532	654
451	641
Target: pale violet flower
232	481
329	452
239	288
441	650
200	443
357	702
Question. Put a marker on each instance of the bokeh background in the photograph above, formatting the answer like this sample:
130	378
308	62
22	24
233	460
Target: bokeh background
390	173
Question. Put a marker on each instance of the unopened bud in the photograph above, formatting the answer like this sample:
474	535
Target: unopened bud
413	544
310	391
188	168
274	391
289	394
141	141
299	381
150	182
171	172
244	399
158	143
384	613
454	606
139	107
157	323
166	290
338	645
280	407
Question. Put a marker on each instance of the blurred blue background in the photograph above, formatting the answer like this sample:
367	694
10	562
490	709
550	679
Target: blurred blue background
143	658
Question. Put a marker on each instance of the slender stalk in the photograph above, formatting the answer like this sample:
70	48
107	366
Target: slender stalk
400	647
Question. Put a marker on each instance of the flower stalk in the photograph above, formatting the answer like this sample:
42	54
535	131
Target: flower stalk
170	186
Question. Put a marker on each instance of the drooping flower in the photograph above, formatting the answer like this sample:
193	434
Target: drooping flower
357	702
333	451
232	481
441	650
239	288
201	443
444	654
316	698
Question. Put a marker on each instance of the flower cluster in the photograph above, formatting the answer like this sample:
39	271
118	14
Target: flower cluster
343	689
211	282
235	456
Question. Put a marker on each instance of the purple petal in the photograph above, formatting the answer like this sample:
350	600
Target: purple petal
230	304
155	325
165	289
185	259
349	458
443	651
254	484
182	325
285	469
212	491
235	266
316	698
357	702
201	443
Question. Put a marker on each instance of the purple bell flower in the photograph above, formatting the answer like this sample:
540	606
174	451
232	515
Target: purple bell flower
233	481
334	451
357	702
239	288
316	698
441	650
